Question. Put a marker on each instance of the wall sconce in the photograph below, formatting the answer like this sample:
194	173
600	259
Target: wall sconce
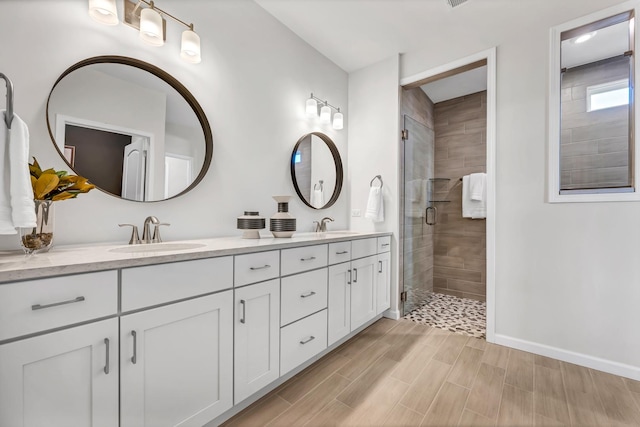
150	22
325	112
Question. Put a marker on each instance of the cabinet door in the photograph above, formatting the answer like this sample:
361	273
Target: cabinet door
339	307
176	361
257	337
66	378
383	282
363	290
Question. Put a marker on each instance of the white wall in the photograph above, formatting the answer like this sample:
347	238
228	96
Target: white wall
568	275
373	149
252	83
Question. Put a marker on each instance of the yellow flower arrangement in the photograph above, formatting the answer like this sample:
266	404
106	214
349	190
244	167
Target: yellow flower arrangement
55	185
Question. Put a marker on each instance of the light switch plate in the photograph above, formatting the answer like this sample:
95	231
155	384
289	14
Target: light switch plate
355	212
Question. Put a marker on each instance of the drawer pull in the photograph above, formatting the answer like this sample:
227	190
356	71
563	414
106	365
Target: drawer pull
385	244
310	294
55	304
134	358
260	268
379	266
244	311
311	338
106	363
311	258
342	252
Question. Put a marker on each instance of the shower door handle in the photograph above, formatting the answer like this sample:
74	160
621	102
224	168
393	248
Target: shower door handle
433	218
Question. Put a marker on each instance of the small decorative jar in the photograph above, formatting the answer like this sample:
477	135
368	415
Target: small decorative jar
39	238
282	224
251	223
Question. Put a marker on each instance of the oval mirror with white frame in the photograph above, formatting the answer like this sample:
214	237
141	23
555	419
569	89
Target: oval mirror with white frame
129	127
316	170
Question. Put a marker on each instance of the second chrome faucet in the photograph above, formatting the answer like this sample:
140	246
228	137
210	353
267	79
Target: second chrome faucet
147	237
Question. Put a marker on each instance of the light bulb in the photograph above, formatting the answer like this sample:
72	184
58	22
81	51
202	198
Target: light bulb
190	48
151	27
325	114
338	120
312	108
104	11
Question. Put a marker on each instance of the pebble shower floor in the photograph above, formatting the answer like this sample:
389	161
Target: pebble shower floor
460	315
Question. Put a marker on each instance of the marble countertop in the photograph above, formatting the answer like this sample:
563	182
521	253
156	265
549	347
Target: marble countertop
62	260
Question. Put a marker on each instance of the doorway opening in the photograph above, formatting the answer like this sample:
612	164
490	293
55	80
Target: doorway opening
446	228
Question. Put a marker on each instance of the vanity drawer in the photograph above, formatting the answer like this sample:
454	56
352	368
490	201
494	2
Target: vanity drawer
339	252
302	340
304	258
257	267
361	248
162	283
39	305
303	294
384	244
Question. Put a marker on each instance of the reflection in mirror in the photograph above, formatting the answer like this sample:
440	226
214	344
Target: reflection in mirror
130	128
596	106
316	170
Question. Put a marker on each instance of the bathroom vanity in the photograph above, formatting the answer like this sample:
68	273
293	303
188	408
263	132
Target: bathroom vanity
179	333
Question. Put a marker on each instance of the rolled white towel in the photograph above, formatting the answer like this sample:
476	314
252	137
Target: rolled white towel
375	205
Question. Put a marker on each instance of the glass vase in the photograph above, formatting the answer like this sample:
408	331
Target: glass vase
39	238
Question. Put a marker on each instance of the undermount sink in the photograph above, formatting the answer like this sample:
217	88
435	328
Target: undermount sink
156	247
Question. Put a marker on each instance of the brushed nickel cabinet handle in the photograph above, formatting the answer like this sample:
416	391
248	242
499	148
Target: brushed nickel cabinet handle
244	311
379	266
385	244
355	273
311	258
310	294
342	252
106	363
311	338
55	304
349	281
260	268
134	358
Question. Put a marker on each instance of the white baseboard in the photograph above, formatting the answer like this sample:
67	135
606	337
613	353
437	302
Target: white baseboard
392	314
616	368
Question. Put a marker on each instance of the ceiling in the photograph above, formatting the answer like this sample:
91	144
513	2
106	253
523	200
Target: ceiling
357	33
462	84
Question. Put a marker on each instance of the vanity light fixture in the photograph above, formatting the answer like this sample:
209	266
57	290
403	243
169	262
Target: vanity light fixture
146	17
104	11
325	112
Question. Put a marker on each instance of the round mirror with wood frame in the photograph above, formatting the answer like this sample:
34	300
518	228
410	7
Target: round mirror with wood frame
129	127
316	170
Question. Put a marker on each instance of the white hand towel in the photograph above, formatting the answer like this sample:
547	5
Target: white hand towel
17	208
317	198
375	205
474	209
477	182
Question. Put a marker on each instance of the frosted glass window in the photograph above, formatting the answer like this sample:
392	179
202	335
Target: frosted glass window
608	95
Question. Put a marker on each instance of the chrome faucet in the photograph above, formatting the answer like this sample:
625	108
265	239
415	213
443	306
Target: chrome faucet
321	226
146	231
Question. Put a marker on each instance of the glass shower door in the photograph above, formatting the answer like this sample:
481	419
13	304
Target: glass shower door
417	237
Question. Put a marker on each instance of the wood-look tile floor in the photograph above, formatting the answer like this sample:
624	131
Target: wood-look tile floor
399	373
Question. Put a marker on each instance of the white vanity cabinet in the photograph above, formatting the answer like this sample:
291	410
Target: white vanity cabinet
176	363
383	275
65	378
257	337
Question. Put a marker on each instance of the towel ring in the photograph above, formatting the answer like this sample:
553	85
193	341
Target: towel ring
8	115
374	178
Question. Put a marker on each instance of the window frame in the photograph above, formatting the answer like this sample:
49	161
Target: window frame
554	194
606	88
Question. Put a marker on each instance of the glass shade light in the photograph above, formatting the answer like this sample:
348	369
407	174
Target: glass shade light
104	11
190	48
312	108
338	120
325	114
151	28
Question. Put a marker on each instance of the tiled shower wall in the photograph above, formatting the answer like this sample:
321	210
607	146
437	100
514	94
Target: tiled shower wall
459	243
417	259
594	146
